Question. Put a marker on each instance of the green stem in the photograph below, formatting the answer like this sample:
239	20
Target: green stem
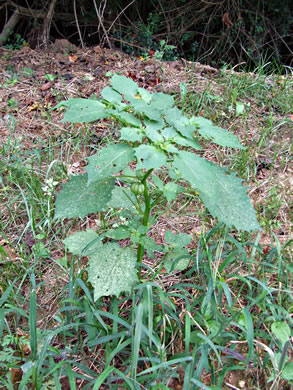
146	215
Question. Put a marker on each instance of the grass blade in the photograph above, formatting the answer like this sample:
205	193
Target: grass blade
137	338
102	377
250	333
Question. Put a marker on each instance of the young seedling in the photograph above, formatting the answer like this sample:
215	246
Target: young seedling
154	135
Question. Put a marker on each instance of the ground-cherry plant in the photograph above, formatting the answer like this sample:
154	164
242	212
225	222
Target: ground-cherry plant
155	155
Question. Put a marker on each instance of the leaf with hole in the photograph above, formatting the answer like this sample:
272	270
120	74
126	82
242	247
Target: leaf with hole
77	199
112	270
110	160
149	156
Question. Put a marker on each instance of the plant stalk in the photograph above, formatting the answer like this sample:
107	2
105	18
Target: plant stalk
146	215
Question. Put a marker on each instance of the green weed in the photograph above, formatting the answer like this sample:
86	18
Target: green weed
223	321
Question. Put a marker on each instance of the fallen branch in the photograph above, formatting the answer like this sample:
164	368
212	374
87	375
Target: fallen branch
40	14
9	27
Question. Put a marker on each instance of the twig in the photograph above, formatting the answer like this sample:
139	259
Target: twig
47	23
231	386
124	9
3	5
102	24
77	24
128	43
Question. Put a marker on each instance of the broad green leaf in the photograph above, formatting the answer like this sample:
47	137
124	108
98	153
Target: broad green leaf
153	135
169	148
240	108
149	157
128	171
174	117
177	240
112	96
77	199
187	142
124	117
121	233
162	101
171	190
110	160
131	134
223	194
281	330
177	260
152	112
83	110
178	257
112	270
145	94
122	198
142	107
141	229
124	85
158	182
216	134
186	130
155	125
78	242
150	246
129	119
287	372
180	122
169	133
174	173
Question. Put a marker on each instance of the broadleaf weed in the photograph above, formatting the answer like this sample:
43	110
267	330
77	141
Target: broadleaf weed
224	317
156	133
